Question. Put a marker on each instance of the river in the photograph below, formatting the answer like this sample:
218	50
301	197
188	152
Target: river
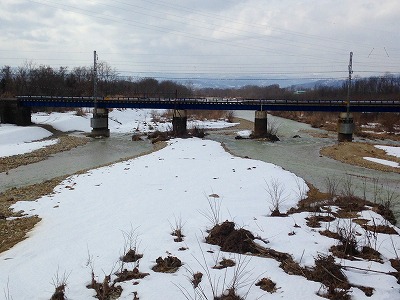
299	155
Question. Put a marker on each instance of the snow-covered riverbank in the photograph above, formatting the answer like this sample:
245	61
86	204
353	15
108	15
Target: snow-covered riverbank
92	219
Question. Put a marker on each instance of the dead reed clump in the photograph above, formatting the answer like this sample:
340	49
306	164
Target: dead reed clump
224	263
197	277
314	221
105	290
59	293
267	285
229	294
330	234
232	240
131	256
170	264
126	275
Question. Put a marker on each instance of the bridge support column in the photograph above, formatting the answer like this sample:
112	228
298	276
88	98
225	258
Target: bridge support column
260	124
11	112
345	127
179	122
99	123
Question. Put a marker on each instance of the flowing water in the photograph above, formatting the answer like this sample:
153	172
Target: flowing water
95	153
299	155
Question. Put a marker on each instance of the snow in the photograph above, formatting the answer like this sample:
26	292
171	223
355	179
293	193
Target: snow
122	121
68	121
244	133
86	221
14	149
390	150
383	162
19	140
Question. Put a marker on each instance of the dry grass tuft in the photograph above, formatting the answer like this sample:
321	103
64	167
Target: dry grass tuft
267	285
224	263
170	264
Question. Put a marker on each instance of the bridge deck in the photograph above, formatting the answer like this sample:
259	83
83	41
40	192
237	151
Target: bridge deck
212	104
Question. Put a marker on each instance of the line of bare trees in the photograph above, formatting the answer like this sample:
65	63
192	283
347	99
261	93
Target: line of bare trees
30	79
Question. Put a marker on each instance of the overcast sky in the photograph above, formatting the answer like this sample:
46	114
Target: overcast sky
187	38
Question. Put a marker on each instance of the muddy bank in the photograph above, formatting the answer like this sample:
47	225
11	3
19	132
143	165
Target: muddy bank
353	153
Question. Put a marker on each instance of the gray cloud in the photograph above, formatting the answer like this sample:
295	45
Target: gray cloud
232	38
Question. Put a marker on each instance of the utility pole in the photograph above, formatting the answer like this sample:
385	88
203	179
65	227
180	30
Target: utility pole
349	85
95	81
99	122
345	122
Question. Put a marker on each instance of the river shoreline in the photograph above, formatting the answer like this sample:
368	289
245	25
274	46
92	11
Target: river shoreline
14	229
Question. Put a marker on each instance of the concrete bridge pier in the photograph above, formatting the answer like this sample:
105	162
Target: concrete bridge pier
260	123
99	123
11	112
179	122
345	127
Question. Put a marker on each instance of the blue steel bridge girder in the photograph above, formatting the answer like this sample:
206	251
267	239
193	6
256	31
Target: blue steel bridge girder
213	104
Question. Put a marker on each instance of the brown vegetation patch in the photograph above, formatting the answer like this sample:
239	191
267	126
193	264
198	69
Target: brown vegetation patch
13	231
197	277
385	212
59	293
396	265
325	271
158	136
131	256
65	143
360	221
353	153
230	239
267	285
328	273
224	263
170	264
345	214
230	294
330	234
105	290
352	204
126	275
380	229
315	220
369	253
313	202
345	251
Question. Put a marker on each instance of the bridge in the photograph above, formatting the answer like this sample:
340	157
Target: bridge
17	110
211	103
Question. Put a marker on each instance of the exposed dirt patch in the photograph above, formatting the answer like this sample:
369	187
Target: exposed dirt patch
352	153
65	143
13	231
